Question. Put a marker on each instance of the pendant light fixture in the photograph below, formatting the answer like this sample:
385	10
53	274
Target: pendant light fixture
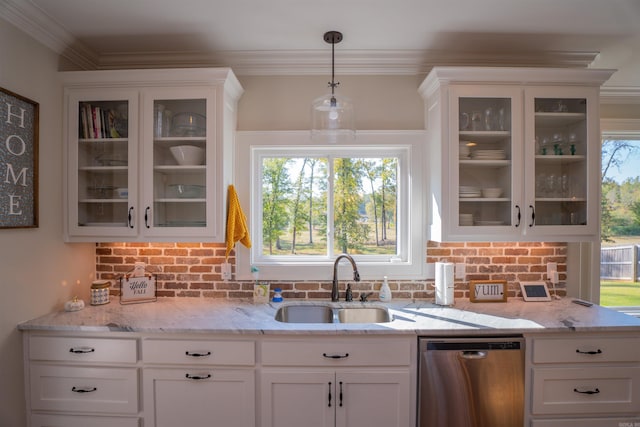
332	117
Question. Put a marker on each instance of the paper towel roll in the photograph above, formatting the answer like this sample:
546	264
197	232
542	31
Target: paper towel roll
444	283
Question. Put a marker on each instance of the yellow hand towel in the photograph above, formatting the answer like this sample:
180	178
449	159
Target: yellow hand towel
236	223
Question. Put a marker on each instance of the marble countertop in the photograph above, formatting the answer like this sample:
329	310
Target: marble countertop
186	315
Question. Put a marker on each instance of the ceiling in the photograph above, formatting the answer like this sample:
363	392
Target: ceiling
380	36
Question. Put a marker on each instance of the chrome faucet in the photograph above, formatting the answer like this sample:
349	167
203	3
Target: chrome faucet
356	276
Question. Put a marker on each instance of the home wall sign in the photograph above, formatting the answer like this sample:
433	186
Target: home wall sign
488	291
18	161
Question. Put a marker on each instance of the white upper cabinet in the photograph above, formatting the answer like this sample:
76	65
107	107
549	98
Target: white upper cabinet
514	154
148	154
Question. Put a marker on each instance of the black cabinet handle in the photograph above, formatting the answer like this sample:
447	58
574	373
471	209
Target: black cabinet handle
83	389
130	217
595	391
81	350
533	215
598	351
329	394
335	356
197	354
146	217
519	216
340	393
198	377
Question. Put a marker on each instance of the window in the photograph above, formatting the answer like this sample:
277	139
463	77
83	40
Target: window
307	203
619	285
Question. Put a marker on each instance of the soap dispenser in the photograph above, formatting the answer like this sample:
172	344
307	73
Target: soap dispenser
385	291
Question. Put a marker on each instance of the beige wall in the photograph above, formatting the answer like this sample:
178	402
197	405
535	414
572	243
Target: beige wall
284	102
37	270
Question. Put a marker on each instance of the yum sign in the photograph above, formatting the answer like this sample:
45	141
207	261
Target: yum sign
18	161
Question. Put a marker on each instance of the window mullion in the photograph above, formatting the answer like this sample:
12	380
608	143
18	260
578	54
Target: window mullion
330	225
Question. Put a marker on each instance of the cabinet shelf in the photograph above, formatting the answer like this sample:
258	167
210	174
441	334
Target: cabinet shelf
484	135
560	159
178	168
104	169
561	199
103	200
485	163
484	199
180	200
558	119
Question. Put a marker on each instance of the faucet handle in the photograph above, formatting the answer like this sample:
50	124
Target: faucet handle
363	297
349	296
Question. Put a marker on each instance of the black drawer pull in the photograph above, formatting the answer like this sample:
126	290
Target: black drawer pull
596	391
81	350
335	356
198	377
83	389
598	351
197	354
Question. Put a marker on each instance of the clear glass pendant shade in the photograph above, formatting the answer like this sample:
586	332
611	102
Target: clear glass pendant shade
332	119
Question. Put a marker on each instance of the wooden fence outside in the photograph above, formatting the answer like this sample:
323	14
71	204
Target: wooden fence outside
620	263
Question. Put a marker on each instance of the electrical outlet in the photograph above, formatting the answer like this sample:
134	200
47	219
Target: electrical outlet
226	271
551	267
461	270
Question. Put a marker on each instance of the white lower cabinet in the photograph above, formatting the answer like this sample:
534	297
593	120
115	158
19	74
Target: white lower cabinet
194	397
337	382
81	381
584	380
198	383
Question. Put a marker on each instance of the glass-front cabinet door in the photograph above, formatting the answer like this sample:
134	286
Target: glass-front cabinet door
103	143
560	155
178	156
486	152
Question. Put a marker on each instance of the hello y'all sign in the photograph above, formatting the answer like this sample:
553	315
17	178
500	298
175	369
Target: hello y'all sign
138	289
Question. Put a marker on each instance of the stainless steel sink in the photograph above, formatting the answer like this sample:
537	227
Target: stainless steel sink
302	313
305	314
364	315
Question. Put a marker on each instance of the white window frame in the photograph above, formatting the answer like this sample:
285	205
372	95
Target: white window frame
408	146
622	129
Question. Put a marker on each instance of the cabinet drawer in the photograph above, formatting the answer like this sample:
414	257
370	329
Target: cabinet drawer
586	390
591	422
84	389
46	420
75	349
392	351
586	349
198	352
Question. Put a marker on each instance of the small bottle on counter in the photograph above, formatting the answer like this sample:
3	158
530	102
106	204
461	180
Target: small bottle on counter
277	295
385	291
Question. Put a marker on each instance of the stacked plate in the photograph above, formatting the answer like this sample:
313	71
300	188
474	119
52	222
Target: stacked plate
489	155
466	219
469	191
464	151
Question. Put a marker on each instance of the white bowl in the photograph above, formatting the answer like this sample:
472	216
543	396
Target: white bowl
492	192
188	155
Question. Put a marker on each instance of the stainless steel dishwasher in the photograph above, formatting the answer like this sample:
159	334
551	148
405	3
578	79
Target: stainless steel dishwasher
471	382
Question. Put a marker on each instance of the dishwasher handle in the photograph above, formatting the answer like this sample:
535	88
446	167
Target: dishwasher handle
473	354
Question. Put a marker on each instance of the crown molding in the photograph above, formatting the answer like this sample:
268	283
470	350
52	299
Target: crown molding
357	62
33	21
620	95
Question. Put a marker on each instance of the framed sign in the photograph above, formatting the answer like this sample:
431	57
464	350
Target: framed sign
137	289
19	118
535	291
488	291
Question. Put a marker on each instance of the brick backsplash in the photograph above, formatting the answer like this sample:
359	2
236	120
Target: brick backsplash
194	269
